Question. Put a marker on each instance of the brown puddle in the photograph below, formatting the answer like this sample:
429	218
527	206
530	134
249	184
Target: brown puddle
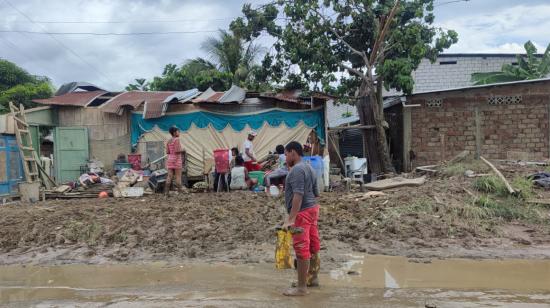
378	280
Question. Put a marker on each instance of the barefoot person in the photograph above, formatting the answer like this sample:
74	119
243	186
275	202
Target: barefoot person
174	153
301	194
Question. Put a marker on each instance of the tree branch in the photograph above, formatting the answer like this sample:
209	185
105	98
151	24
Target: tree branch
353	70
381	37
341	39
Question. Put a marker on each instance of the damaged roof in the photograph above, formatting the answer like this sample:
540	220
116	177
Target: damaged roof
134	99
80	99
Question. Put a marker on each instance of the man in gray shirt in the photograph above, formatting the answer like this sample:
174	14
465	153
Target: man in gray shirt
301	192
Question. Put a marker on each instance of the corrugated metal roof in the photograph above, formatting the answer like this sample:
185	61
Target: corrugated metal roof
234	94
80	99
154	108
133	99
484	86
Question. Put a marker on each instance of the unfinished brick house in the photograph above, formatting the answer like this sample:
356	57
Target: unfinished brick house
499	121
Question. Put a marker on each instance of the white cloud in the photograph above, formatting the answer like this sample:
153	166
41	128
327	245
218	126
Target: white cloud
504	30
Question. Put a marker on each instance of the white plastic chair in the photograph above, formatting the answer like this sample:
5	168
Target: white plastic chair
357	175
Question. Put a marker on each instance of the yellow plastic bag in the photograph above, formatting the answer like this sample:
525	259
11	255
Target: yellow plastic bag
283	257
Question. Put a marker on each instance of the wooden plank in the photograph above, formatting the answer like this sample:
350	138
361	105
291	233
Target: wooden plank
478	132
395	183
354	127
407	136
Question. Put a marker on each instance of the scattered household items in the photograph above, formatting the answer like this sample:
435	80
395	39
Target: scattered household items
157	180
541	179
135	161
76	190
125	192
125	185
395	183
95	166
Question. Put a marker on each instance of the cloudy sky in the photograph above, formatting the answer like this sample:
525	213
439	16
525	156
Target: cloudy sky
114	61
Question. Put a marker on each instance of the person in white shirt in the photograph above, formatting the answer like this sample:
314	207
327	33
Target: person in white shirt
250	161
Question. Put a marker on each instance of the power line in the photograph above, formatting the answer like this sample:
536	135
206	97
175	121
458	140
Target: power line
450	2
60	43
108	33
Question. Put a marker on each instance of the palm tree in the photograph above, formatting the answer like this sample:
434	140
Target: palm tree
140	85
530	66
231	54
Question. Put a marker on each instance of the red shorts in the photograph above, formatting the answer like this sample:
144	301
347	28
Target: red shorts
252	166
307	242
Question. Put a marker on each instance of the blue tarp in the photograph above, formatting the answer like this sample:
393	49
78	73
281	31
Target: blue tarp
274	117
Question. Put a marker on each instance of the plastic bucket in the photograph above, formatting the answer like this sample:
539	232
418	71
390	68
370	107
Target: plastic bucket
257	175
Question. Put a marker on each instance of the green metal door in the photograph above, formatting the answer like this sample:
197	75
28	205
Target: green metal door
71	152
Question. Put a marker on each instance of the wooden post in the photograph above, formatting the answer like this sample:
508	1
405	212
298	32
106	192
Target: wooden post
407	134
478	132
548	130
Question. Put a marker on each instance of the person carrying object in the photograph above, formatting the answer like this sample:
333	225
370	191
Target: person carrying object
301	193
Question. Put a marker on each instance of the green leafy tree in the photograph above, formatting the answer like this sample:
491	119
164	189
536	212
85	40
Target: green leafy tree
355	48
20	87
530	66
196	73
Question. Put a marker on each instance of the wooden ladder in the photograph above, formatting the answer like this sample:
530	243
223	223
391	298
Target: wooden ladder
24	141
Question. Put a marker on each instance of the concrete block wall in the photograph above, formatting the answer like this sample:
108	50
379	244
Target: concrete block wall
435	76
508	131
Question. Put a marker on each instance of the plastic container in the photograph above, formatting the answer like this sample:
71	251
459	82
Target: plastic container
326	171
135	160
274	191
221	160
257	175
317	164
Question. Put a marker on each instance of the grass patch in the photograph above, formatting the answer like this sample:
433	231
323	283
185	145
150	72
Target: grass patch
524	186
458	169
79	232
491	185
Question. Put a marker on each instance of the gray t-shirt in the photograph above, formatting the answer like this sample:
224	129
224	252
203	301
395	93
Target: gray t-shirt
301	180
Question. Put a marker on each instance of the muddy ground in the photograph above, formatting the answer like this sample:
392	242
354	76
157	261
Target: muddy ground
438	219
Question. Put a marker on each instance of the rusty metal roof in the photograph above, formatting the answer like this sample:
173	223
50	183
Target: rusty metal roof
134	99
80	99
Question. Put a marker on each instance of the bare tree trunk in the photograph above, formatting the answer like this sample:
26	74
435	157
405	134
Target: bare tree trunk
371	112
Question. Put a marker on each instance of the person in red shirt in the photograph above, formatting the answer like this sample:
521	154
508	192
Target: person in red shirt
174	154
